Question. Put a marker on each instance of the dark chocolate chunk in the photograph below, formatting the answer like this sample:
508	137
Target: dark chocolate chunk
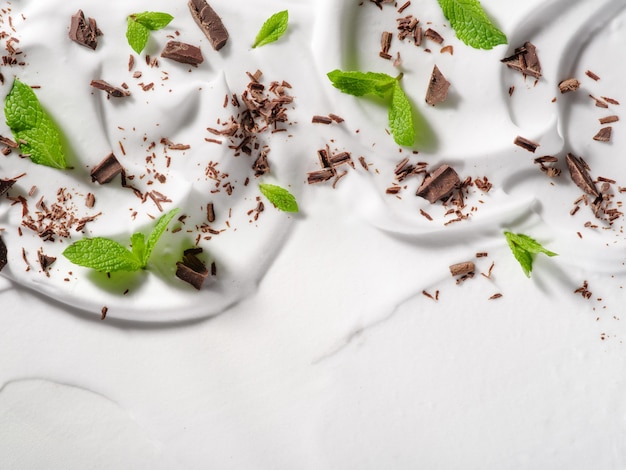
183	53
437	88
526	144
579	172
110	89
3	255
106	170
45	261
525	60
84	31
191	269
5	185
210	23
439	184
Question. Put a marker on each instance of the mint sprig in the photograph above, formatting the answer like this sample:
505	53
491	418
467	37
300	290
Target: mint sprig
471	23
139	26
273	28
523	248
106	255
280	197
384	86
34	130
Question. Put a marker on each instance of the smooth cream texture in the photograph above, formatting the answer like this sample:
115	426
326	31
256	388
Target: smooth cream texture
329	355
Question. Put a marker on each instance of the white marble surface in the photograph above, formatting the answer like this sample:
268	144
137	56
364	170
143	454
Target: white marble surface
337	360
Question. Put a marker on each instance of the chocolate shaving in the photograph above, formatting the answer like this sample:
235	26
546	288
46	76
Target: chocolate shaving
321	120
45	261
526	144
604	134
3	254
570	84
210	23
437	88
183	53
461	269
191	269
110	89
609	119
84	31
592	75
5	185
525	60
439	184
579	172
433	35
106	170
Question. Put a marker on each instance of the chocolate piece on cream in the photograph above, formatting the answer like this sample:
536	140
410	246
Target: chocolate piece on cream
183	53
525	60
191	269
437	88
3	255
439	184
604	134
5	185
110	89
84	31
579	172
107	169
526	143
210	23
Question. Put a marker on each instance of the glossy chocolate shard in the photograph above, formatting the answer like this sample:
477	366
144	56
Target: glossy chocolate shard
439	184
525	60
579	172
106	170
110	89
3	255
210	23
191	269
437	88
84	31
183	53
5	185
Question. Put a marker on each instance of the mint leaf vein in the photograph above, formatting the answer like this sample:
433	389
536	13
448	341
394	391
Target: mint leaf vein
471	24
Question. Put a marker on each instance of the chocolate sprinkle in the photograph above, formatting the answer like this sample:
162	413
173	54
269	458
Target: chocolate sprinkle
183	53
437	88
439	184
210	23
106	170
191	269
84	31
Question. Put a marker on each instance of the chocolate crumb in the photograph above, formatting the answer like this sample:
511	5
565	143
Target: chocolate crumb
191	269
610	100
604	134
337	119
209	22
525	60
526	144
449	49
110	89
90	200
106	170
45	261
103	313
183	53
84	31
570	84
437	88
426	215
495	296
439	184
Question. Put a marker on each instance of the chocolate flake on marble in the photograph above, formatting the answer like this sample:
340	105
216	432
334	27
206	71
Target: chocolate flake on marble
84	31
525	60
439	184
437	87
182	52
209	22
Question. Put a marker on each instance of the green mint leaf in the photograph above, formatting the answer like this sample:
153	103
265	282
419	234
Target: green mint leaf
32	127
138	245
362	83
280	197
158	230
103	255
139	26
523	248
153	20
137	35
471	23
401	117
273	28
